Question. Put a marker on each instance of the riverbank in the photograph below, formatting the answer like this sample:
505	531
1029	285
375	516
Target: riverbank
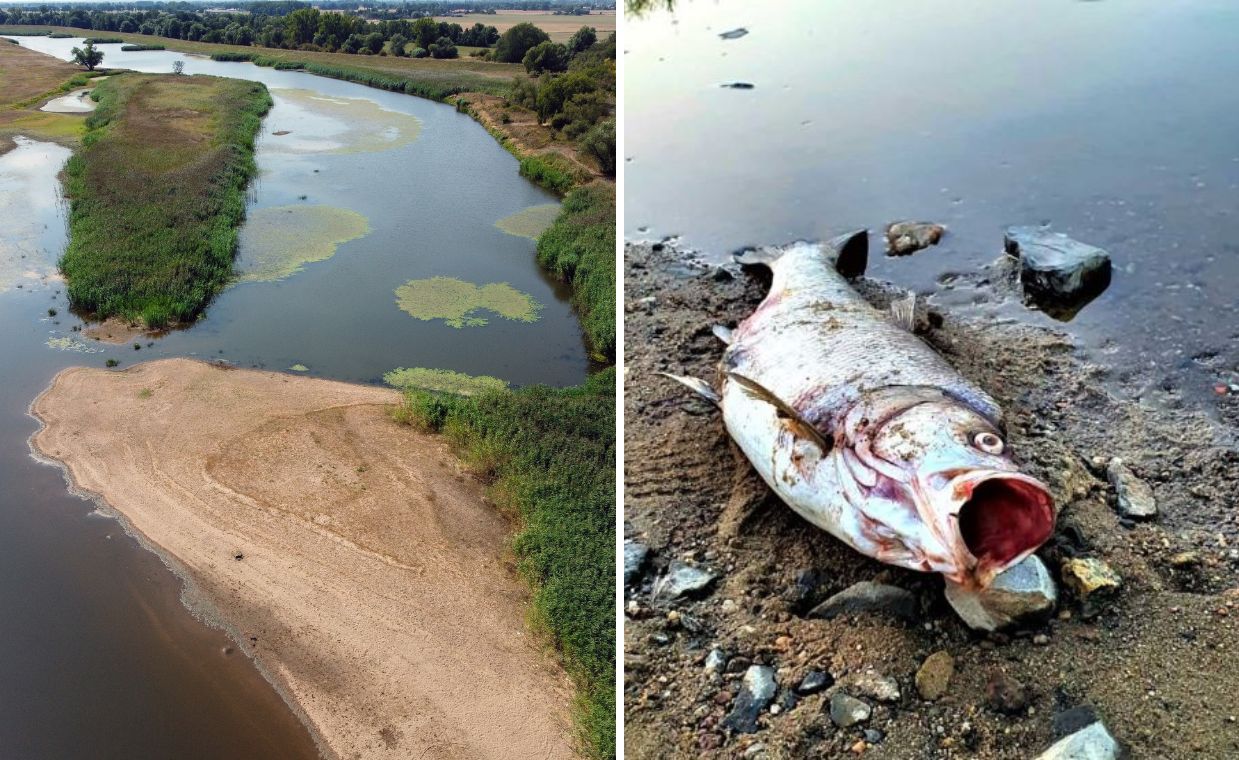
1146	662
350	557
29	79
157	194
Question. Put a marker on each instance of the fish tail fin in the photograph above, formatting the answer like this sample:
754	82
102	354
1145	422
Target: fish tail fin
847	253
696	385
722	333
903	311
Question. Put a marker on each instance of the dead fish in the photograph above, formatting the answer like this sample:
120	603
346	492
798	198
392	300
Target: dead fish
737	85
866	431
734	34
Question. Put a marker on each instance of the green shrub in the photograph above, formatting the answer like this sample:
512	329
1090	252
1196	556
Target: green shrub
140	48
550	171
599	142
579	248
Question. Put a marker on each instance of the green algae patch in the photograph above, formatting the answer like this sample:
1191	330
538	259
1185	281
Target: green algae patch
278	242
443	381
310	122
458	303
299	368
530	222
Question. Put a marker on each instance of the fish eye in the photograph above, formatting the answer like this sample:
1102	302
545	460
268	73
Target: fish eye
988	442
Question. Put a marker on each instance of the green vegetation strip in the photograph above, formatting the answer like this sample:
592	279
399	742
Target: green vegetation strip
457	302
579	248
277	242
157	193
443	381
550	455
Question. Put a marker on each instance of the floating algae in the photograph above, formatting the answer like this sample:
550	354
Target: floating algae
299	368
276	242
456	301
307	122
443	380
65	343
530	222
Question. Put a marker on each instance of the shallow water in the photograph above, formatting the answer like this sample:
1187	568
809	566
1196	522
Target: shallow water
1113	122
100	657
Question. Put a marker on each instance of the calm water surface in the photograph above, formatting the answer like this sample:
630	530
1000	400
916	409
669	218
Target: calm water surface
1116	123
99	659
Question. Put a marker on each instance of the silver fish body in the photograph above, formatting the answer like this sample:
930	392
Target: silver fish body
867	432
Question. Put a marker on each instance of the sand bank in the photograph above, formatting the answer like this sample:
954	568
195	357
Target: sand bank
75	102
350	556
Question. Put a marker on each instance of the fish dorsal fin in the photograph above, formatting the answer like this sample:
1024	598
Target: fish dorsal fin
696	385
722	333
848	253
799	424
903	311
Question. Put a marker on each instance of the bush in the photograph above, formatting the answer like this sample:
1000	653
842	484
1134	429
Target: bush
549	171
599	142
515	42
419	52
546	56
443	48
140	48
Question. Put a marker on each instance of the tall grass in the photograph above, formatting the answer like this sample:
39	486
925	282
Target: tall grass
579	248
549	454
154	211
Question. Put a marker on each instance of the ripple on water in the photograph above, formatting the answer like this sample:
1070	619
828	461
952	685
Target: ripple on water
458	303
277	242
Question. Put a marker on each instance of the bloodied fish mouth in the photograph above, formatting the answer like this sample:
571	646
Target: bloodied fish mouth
1003	518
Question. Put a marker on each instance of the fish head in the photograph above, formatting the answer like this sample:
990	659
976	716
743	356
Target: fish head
953	466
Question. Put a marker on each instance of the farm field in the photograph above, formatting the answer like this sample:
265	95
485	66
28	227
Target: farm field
559	27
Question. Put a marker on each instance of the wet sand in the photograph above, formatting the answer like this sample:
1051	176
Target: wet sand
351	557
75	102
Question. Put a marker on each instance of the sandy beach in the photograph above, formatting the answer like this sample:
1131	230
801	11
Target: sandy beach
354	559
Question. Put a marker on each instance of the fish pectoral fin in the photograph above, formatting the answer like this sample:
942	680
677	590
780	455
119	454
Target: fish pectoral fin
696	385
722	333
903	312
798	424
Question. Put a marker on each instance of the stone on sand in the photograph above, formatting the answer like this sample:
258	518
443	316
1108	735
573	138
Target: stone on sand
1023	592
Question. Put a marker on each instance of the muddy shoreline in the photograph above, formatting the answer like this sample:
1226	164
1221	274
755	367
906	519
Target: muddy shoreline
1150	664
357	616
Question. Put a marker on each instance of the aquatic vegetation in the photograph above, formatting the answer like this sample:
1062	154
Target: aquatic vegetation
530	222
551	172
154	211
66	343
579	248
277	242
299	368
338	125
550	454
443	381
457	302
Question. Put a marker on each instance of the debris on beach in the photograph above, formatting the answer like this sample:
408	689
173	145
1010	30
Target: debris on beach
904	238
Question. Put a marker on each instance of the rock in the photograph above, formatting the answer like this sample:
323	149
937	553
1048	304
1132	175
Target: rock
1072	720
935	675
868	596
877	687
1093	742
733	34
756	692
715	661
721	274
1092	580
683	580
1005	695
903	238
813	682
1135	498
846	711
1057	271
635	555
1021	593
737	85
874	736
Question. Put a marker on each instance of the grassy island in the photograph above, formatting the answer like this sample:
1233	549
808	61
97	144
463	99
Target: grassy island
157	193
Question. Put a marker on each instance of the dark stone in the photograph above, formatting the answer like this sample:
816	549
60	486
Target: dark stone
635	555
1070	721
874	736
1004	694
734	34
756	692
683	580
868	596
814	681
1059	274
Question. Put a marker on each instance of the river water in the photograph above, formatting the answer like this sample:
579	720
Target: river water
100	659
1112	122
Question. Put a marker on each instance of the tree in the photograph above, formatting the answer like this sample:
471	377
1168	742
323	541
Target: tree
424	32
374	42
88	57
398	41
514	43
546	56
178	67
302	25
443	48
554	94
583	40
599	142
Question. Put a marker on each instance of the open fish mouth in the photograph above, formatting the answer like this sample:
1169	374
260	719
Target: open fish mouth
1003	517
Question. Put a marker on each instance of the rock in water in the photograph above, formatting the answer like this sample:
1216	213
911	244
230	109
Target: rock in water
1135	497
868	596
1093	742
1092	580
1058	273
634	560
683	580
935	675
734	34
1023	592
755	693
846	711
903	238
